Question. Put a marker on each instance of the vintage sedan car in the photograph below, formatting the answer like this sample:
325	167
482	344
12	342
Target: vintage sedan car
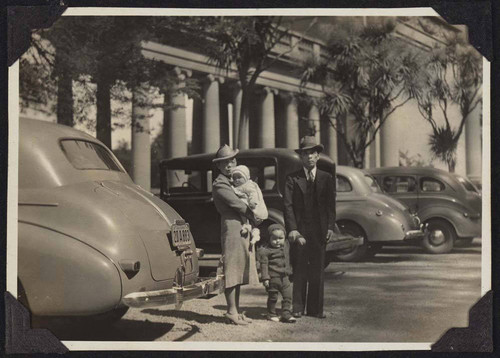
90	241
449	203
186	184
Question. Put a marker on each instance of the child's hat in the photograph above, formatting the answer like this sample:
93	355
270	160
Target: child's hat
243	170
273	227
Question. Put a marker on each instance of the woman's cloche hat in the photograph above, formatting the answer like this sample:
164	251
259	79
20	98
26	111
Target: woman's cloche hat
309	142
225	152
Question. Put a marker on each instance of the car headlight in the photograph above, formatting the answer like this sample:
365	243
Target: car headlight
378	213
466	214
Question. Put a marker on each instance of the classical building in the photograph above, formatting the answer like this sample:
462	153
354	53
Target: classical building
277	118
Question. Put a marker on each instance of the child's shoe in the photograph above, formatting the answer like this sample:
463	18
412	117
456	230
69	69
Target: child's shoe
274	318
288	318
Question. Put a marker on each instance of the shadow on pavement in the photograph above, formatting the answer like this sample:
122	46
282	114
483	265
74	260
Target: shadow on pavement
192	332
123	330
256	313
186	315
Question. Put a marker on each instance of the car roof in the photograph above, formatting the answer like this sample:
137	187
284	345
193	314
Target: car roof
42	163
408	170
31	127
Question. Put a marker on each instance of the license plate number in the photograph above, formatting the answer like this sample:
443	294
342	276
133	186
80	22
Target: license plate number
180	235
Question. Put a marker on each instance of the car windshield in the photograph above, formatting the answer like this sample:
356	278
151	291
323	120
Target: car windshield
372	183
85	155
467	184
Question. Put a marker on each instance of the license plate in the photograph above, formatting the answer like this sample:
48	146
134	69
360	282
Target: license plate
180	235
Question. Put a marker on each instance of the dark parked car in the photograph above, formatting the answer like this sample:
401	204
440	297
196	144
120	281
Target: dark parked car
91	241
361	211
449	203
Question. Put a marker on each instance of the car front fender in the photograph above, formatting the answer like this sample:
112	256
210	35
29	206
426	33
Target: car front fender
464	226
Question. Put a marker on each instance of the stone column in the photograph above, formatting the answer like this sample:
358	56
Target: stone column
314	121
197	137
174	118
237	96
291	122
473	143
389	142
211	114
329	138
174	125
267	122
141	145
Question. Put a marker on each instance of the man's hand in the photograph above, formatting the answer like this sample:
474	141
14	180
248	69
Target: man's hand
329	235
266	283
294	235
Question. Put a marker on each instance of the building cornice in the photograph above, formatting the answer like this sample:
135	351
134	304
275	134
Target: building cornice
200	63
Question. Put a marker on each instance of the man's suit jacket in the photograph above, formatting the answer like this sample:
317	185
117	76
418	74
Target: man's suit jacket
295	189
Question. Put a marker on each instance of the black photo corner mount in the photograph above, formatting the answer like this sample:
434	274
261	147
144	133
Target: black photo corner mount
477	337
20	337
21	20
477	16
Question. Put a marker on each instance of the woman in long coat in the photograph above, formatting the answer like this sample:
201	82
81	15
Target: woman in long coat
235	247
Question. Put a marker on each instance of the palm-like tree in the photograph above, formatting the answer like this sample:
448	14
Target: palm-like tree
368	74
453	77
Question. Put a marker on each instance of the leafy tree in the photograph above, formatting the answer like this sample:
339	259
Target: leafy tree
367	75
103	54
453	78
244	43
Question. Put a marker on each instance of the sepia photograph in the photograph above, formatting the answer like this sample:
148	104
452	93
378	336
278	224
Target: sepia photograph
283	179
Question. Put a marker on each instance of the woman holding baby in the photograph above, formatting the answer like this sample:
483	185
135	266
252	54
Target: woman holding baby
236	212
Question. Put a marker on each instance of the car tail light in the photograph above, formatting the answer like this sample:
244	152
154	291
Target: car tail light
130	267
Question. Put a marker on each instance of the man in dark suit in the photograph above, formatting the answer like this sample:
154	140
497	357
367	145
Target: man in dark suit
309	201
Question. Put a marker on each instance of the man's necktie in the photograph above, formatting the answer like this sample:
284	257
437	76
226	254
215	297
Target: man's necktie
310	177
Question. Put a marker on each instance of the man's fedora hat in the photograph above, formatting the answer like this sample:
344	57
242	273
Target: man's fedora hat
225	152
309	142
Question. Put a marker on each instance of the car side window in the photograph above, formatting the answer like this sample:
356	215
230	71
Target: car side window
387	183
180	181
343	184
405	184
262	171
431	185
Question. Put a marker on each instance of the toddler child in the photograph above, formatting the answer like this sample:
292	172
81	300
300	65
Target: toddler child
275	271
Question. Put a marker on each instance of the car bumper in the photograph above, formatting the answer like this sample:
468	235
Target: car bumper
416	235
175	296
342	242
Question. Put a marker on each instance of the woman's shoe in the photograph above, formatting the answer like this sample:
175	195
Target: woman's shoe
235	319
245	318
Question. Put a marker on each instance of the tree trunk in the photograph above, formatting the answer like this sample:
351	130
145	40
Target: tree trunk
64	94
103	103
451	166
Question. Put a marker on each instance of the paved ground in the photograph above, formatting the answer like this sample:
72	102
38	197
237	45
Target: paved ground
401	295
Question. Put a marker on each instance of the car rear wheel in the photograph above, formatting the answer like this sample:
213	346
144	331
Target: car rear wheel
440	237
359	252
